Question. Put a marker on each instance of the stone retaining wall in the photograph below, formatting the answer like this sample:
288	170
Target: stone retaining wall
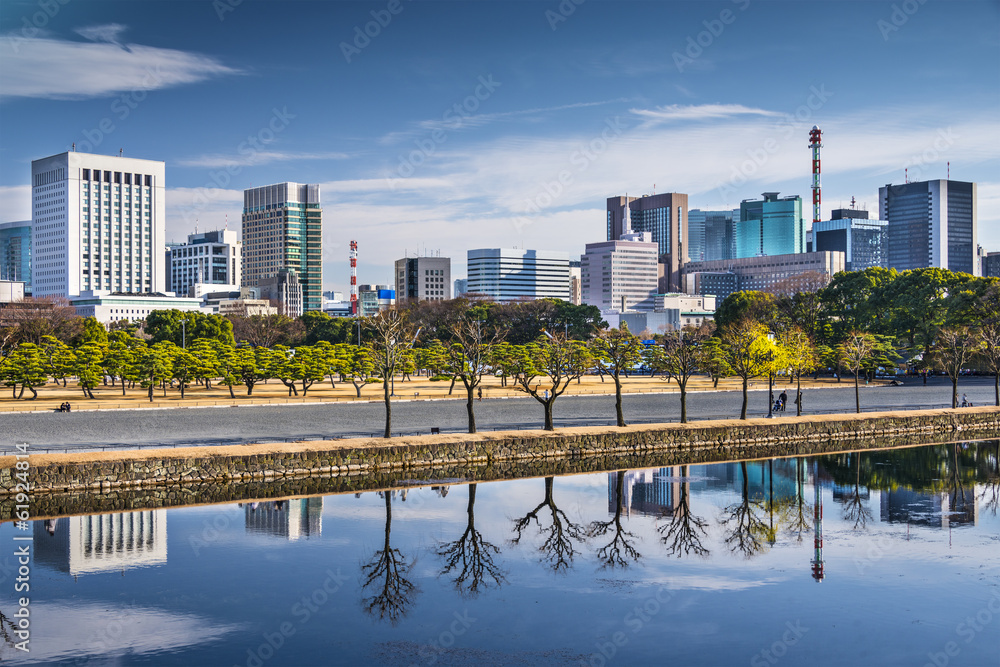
102	480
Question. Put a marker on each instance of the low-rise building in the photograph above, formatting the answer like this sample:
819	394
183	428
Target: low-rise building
107	306
516	274
423	279
283	290
773	273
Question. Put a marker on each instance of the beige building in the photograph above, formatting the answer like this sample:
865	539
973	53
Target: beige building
620	275
765	274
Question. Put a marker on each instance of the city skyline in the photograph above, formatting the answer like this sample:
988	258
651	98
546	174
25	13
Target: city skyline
438	135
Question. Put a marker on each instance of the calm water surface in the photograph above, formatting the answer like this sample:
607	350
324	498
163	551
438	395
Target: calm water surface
878	558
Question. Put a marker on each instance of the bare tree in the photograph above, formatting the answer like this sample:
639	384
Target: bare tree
743	522
392	338
620	350
469	358
954	349
471	556
386	574
557	549
680	357
683	534
619	551
854	353
990	353
33	318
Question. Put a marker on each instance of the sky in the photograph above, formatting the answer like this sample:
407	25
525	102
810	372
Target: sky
439	127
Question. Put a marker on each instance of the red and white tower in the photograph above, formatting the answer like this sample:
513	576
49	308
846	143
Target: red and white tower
814	143
353	255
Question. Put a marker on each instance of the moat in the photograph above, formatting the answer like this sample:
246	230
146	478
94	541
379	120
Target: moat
887	557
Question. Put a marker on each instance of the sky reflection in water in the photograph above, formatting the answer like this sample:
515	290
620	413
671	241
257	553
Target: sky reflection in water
709	564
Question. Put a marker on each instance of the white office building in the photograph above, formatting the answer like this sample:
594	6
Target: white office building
209	258
515	274
620	275
98	223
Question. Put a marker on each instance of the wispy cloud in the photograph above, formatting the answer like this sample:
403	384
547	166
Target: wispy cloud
50	68
681	112
254	158
107	32
457	122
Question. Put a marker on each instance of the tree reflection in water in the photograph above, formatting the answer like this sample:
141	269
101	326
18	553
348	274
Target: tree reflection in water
855	508
742	521
471	556
682	536
557	549
798	522
991	491
619	551
386	576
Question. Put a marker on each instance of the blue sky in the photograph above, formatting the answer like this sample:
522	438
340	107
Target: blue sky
461	125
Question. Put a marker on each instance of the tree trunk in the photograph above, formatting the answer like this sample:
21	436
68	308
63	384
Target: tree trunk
34	394
857	396
151	390
715	382
684	405
798	395
357	388
249	387
618	400
231	394
470	408
954	392
548	415
388	409
996	386
123	386
182	386
452	387
743	410
21	394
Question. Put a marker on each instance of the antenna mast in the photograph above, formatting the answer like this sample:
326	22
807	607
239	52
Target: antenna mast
353	256
815	135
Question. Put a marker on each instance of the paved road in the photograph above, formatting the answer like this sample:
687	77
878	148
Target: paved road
82	431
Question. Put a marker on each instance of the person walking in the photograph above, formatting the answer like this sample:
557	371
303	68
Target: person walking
480	394
783	397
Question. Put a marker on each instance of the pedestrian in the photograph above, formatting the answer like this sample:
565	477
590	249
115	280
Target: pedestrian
783	397
67	406
965	401
546	394
480	395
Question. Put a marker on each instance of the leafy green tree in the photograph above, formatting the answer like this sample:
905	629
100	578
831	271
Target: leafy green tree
154	365
545	369
26	367
165	325
617	351
184	367
355	364
748	304
120	357
714	360
989	351
325	355
320	327
93	331
87	366
59	358
392	336
287	368
206	357
312	366
230	360
750	353
858	301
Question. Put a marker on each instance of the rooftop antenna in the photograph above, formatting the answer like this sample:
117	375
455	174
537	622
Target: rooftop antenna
121	152
852	203
815	136
74	146
906	175
949	170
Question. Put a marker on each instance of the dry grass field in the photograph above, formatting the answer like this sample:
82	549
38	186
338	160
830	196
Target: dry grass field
418	388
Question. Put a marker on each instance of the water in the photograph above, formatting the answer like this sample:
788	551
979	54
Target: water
709	564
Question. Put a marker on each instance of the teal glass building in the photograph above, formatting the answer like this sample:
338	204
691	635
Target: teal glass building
770	226
15	253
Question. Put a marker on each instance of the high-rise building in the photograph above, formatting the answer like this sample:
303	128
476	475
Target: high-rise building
931	223
15	252
712	234
850	231
461	287
211	258
98	223
770	226
423	279
285	290
575	282
620	275
665	216
513	274
283	229
991	265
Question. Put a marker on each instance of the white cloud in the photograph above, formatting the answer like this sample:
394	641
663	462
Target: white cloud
254	158
15	203
682	112
52	68
107	32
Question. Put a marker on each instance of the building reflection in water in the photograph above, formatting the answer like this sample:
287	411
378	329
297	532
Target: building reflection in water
935	510
102	542
291	519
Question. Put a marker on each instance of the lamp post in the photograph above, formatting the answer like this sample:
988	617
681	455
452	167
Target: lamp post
184	334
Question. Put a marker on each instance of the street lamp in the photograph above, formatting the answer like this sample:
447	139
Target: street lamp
184	334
